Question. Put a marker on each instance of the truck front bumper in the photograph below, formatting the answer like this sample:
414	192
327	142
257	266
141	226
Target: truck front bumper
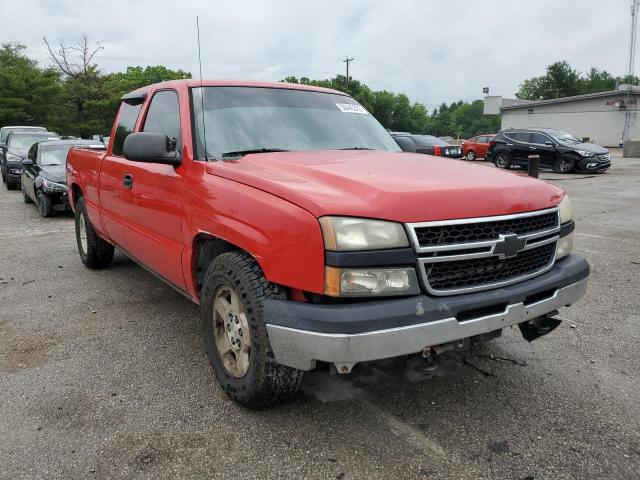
302	333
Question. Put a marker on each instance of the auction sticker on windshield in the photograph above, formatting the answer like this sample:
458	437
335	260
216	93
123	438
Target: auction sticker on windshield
351	108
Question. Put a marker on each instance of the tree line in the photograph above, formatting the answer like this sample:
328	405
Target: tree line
74	97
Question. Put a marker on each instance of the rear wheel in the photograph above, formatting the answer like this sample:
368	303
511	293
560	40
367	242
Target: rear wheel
94	251
43	202
235	334
471	155
564	164
502	160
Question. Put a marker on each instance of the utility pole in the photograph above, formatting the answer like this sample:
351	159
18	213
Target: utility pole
630	73
348	60
632	46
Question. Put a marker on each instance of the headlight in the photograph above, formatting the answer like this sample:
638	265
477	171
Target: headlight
345	233
13	158
53	186
363	282
565	244
584	153
566	210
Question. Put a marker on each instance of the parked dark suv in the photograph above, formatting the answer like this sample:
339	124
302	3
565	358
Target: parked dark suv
558	150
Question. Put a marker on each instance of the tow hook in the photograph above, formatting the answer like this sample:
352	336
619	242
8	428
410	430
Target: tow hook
539	327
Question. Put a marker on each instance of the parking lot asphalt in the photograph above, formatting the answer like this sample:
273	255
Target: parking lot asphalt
103	374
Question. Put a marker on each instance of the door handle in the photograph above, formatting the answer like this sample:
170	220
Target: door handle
128	181
533	148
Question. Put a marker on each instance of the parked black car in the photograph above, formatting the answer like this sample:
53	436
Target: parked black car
427	144
18	143
43	177
558	150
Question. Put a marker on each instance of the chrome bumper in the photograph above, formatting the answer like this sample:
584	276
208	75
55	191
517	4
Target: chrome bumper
300	348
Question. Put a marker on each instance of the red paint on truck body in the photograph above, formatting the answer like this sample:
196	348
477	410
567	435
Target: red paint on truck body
268	204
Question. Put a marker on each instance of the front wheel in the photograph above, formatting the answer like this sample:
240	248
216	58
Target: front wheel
44	203
503	160
94	251
471	155
564	164
235	334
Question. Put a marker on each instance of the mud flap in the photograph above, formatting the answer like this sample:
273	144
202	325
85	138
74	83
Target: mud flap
539	327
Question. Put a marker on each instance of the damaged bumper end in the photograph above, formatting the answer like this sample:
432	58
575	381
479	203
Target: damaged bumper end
301	334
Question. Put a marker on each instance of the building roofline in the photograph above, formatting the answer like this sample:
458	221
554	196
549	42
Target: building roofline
575	98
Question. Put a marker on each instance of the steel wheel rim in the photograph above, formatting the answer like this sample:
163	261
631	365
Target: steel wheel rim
501	160
231	332
82	232
471	155
564	166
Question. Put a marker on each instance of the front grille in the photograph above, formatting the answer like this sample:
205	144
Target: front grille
480	231
460	256
604	157
468	274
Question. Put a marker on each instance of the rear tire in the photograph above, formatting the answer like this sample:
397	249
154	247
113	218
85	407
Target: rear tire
25	197
564	164
44	203
471	155
94	251
502	160
232	297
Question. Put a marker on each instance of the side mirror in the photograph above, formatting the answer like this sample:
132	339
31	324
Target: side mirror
548	142
26	162
150	147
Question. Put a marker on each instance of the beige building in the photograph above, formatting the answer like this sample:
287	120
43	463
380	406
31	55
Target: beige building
605	118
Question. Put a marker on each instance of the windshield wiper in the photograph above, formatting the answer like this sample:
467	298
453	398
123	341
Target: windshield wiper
239	153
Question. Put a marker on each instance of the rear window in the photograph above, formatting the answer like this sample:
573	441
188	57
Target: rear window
126	124
428	140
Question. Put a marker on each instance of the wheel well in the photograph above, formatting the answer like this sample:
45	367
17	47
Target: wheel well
205	249
77	192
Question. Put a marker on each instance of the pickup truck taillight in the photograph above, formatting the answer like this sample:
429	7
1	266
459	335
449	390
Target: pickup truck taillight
436	150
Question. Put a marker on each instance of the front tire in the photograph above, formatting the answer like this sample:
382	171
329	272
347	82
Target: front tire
235	334
44	203
10	185
471	155
564	164
94	251
502	160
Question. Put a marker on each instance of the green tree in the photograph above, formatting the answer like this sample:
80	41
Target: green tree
560	80
28	94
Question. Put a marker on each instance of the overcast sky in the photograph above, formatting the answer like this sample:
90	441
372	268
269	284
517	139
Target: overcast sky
433	51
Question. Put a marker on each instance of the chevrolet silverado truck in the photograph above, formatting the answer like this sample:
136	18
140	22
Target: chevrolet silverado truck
290	215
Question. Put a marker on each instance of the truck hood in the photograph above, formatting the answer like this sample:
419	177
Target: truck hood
404	187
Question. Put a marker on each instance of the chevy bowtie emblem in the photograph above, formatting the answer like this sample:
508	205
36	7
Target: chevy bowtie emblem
509	245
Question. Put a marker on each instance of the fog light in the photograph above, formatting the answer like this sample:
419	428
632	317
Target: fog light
358	282
15	171
565	246
592	165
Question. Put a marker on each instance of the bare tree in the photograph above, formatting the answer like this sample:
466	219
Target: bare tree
74	60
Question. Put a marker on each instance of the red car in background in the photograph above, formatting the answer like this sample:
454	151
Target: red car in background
476	147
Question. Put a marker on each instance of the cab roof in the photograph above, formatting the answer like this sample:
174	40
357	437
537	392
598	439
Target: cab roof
141	93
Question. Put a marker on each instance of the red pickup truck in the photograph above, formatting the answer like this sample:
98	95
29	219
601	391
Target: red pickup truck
292	217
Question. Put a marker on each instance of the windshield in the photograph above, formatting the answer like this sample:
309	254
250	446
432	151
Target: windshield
563	137
23	141
248	118
5	131
54	156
